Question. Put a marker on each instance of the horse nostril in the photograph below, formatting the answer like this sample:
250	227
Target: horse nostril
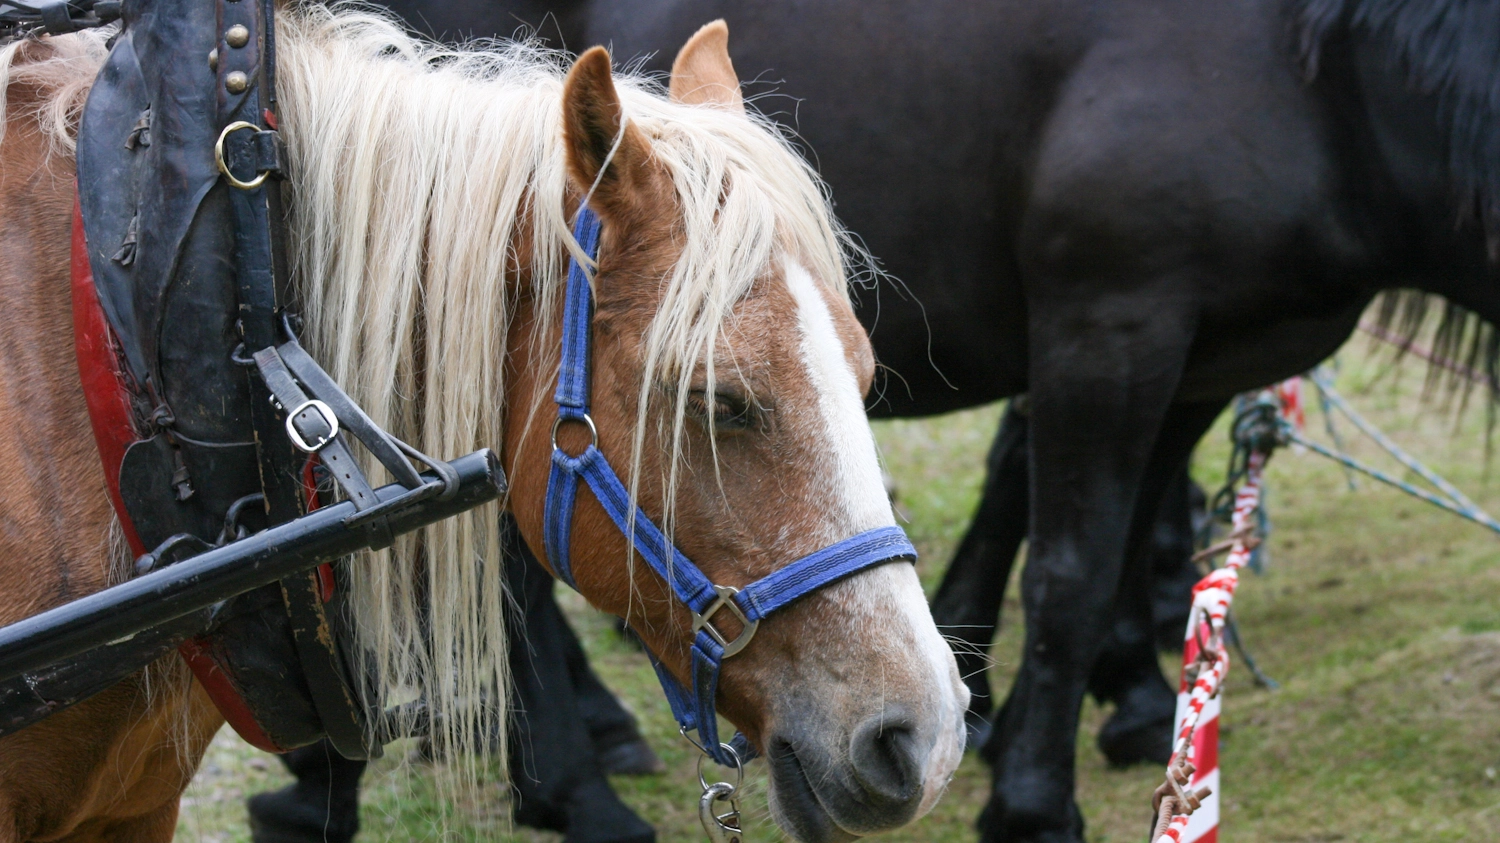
887	758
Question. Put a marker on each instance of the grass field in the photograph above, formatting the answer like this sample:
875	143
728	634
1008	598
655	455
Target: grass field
1379	614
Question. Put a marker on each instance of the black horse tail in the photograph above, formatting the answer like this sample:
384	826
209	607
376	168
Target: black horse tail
1464	351
1445	49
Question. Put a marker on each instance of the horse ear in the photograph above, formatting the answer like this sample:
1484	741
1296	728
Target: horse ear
592	126
703	73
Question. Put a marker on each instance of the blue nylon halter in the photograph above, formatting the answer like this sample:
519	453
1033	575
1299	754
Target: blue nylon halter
694	709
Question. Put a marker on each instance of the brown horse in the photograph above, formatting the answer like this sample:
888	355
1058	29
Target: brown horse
430	226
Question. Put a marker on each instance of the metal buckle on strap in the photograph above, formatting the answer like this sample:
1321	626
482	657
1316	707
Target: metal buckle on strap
725	600
329	419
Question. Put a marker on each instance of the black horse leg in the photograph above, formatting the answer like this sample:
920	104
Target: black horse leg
1032	748
615	736
564	716
1173	573
967	604
558	782
1127	672
1103	375
322	805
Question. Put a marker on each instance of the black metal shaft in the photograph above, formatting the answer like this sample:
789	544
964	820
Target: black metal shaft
200	582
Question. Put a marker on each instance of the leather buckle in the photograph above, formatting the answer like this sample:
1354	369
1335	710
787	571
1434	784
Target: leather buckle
329	420
725	600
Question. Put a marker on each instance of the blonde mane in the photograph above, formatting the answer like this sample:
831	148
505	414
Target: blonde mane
61	70
415	172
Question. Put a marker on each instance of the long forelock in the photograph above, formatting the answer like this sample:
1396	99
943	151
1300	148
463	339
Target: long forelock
746	199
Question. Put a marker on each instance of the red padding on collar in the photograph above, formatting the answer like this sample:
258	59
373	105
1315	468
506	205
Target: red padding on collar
108	399
103	377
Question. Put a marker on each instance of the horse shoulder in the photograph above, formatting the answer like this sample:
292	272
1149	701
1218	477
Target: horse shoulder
114	766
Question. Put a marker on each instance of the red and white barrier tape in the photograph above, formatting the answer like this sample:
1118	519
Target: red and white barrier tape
1187	803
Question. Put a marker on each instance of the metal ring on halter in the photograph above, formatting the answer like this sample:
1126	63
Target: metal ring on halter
586	419
739	767
260	177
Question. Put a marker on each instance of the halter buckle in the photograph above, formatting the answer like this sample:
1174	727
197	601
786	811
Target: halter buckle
725	600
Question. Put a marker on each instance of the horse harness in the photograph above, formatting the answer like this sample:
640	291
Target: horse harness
217	429
693	708
220	435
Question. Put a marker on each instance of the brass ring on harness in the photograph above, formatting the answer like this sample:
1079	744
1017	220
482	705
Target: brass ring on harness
260	177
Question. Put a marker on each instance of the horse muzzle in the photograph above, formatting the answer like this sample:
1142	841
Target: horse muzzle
866	741
822	794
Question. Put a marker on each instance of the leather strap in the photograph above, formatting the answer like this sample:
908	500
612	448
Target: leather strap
313	426
263	295
350	415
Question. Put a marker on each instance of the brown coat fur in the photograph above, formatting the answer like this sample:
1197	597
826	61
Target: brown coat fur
113	767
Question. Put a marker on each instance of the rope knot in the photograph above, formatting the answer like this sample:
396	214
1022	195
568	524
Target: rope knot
1171	800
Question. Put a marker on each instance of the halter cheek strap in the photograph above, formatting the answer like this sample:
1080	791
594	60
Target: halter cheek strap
693	707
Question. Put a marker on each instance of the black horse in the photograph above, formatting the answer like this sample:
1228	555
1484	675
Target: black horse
1130	210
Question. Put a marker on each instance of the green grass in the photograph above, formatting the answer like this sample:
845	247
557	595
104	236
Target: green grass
1379	614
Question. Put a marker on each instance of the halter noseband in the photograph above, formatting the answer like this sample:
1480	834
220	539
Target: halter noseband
694	709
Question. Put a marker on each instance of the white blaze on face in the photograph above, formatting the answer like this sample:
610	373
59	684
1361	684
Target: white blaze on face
889	592
847	438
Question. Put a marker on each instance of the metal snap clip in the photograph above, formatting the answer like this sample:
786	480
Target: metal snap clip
725	827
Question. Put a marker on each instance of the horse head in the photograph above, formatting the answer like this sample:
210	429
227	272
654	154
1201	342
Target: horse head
729	372
469	210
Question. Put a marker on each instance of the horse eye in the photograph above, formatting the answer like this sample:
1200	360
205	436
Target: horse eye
729	412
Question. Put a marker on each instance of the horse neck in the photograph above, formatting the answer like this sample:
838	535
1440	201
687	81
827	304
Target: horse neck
59	544
62	547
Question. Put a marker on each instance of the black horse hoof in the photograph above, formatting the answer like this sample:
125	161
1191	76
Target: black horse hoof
632	758
1127	744
593	814
290	816
996	827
